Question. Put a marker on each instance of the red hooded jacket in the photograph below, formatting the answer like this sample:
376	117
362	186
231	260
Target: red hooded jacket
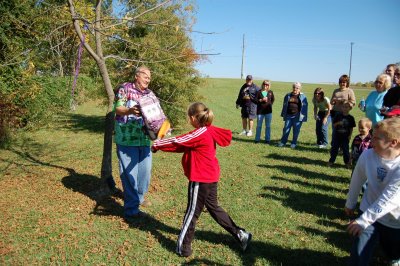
199	160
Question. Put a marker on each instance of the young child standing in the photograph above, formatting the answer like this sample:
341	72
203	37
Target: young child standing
362	141
379	219
201	167
343	124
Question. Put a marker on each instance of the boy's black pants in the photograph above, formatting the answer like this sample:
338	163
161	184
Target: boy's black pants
342	141
200	195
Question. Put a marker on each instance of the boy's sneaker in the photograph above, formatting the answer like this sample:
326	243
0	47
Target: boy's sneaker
243	133
244	238
280	144
323	146
293	146
249	133
395	263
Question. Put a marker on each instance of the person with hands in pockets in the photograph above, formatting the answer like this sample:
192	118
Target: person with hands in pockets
247	101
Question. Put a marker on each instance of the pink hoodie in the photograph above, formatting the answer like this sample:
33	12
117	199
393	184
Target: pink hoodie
199	160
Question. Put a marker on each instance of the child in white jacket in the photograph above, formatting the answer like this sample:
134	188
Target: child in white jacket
380	206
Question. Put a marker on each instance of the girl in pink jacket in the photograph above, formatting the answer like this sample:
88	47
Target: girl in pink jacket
200	166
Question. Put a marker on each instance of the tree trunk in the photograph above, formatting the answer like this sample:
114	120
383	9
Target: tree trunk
106	164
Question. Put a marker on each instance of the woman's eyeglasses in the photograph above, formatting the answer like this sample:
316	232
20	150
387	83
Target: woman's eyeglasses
317	93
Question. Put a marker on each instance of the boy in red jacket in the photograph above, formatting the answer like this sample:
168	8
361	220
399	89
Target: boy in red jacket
201	167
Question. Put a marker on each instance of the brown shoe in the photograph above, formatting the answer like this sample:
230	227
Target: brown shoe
146	203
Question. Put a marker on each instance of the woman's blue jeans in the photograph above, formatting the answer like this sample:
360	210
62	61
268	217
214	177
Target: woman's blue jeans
321	130
260	119
291	121
135	171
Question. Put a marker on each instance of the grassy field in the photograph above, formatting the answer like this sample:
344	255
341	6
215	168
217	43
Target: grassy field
52	211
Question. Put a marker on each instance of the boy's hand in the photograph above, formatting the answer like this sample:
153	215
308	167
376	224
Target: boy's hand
349	212
354	228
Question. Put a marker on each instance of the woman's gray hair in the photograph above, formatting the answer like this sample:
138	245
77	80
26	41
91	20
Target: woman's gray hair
141	69
297	85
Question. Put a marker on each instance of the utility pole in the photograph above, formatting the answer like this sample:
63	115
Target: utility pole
351	56
241	72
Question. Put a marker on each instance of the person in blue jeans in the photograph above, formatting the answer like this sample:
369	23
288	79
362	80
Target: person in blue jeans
322	117
133	144
294	113
265	99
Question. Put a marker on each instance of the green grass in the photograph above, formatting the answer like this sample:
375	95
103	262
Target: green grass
51	212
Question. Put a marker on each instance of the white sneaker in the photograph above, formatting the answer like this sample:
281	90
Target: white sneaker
322	146
249	133
395	263
280	144
293	146
244	238
243	133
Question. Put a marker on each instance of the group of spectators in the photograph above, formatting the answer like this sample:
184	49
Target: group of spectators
374	152
256	103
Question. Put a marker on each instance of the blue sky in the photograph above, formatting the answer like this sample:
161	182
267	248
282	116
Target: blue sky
298	40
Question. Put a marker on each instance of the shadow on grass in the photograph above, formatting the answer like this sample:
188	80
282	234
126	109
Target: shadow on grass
298	160
277	255
258	250
307	174
307	147
79	122
94	188
341	239
307	184
243	139
314	203
304	160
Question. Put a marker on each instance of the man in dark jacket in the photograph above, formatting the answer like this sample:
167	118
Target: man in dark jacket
247	100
